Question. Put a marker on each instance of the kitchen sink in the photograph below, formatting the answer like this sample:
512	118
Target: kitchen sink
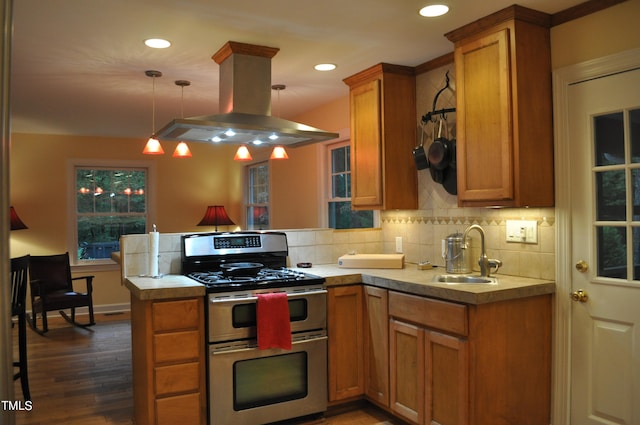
460	278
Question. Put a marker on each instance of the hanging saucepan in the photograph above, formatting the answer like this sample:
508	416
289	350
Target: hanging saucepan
419	155
241	269
450	180
439	154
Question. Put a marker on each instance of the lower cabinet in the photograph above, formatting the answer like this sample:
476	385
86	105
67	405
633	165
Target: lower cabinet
345	328
407	370
438	362
168	354
376	345
446	379
429	375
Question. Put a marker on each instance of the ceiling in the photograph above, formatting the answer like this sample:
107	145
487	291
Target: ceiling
78	66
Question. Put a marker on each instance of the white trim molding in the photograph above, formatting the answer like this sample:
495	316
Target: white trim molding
562	79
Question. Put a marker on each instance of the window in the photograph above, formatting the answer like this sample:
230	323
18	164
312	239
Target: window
108	202
257	207
341	216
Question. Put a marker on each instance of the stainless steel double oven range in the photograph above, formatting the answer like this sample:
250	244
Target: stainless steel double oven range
247	385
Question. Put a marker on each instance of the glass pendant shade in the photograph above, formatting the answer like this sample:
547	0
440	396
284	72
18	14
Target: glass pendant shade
16	223
182	151
153	147
216	216
279	152
243	154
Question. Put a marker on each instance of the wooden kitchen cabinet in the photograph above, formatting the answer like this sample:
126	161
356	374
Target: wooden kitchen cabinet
383	135
470	364
168	356
447	379
406	343
427	364
376	345
345	327
504	110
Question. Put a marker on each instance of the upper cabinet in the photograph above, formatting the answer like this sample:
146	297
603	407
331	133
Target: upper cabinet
504	110
383	134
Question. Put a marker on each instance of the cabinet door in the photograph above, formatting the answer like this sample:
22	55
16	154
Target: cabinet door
484	149
376	345
366	145
447	380
345	329
407	370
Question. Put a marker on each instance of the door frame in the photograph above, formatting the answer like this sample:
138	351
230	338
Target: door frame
562	79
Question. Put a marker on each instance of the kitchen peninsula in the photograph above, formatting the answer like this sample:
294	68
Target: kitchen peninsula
462	353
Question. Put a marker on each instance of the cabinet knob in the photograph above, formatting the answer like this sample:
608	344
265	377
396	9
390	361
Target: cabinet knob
580	296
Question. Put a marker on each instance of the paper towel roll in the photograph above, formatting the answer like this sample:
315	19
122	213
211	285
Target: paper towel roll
154	253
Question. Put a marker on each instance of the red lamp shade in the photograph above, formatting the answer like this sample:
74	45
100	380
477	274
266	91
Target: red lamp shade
16	223
215	216
153	147
182	151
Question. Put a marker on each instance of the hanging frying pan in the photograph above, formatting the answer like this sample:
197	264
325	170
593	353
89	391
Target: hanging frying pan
439	154
419	154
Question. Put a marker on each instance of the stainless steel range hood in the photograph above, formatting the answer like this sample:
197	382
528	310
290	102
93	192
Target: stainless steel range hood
245	99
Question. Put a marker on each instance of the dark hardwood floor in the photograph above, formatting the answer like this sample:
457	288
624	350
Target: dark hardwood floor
83	377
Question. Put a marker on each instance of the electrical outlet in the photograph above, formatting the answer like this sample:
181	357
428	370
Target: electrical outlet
522	231
399	244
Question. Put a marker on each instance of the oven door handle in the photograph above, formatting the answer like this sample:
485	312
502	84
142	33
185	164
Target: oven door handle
289	295
254	348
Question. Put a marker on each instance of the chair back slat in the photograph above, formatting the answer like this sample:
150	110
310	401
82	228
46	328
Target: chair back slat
52	271
19	277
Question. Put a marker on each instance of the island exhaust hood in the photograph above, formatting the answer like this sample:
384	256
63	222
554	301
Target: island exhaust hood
245	99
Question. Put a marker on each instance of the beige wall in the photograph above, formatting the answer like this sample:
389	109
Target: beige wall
609	31
185	188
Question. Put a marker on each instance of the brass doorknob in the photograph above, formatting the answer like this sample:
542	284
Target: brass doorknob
580	296
582	266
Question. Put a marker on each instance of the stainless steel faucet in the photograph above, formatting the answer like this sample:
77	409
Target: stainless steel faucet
485	263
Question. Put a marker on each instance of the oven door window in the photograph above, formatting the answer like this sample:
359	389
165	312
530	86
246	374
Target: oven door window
244	315
269	380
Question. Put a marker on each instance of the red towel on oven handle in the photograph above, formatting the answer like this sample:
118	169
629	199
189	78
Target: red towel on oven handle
273	321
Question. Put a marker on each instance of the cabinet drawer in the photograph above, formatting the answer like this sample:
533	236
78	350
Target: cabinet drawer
178	378
183	409
175	315
177	346
443	315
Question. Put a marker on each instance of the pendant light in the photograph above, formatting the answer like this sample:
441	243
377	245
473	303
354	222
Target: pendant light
153	146
278	152
182	150
243	154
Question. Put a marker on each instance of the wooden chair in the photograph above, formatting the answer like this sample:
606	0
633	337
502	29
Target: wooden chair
19	274
52	289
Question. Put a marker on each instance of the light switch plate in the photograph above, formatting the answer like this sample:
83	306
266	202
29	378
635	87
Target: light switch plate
522	231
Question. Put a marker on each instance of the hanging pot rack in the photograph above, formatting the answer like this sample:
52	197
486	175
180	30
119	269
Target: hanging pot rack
431	116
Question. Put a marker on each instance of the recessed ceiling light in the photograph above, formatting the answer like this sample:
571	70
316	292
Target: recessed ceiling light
434	10
157	43
325	67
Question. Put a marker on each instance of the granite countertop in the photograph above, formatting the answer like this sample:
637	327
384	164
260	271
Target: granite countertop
167	286
419	282
409	280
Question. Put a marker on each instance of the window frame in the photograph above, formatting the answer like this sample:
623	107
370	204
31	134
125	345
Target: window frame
328	186
247	191
72	214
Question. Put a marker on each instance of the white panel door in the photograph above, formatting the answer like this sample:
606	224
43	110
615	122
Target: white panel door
604	123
